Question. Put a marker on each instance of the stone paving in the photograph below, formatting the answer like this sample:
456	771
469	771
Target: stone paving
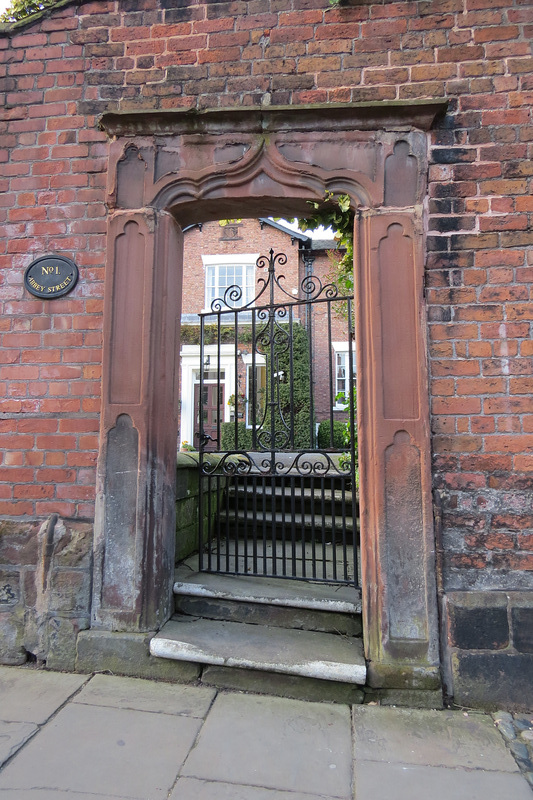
104	737
517	730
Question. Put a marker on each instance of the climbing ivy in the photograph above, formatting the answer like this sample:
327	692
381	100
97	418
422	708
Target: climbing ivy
294	386
190	334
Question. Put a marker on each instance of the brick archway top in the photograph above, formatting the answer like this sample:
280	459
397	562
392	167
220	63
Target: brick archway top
274	159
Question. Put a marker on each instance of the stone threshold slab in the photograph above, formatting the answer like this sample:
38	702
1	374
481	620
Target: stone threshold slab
309	654
265	591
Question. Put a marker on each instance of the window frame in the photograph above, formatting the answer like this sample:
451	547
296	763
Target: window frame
246	261
343	348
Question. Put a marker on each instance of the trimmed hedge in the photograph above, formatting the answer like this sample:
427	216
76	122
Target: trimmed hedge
227	436
324	435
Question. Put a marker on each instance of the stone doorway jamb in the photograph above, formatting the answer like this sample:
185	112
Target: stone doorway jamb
168	169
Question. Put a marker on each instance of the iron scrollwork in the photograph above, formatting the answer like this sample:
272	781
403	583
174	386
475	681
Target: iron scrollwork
261	483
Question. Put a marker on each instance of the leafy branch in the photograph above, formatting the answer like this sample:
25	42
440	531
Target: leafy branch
331	212
337	213
20	9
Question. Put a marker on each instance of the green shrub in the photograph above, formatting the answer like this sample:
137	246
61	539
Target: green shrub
227	436
298	406
324	435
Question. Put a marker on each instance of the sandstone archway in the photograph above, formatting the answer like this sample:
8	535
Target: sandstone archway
168	170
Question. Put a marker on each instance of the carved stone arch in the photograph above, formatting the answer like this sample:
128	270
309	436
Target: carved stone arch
231	163
262	178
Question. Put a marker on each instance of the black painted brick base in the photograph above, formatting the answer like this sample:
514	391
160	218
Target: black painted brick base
488	648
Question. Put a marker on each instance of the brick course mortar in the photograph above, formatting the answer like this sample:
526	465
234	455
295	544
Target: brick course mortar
62	71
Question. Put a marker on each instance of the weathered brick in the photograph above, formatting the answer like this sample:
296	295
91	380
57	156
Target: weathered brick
77	63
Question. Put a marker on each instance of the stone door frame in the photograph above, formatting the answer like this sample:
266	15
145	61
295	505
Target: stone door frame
169	169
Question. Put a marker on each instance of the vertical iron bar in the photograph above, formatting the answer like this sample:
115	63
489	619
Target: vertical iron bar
274	527
235	496
245	523
234	479
333	529
323	510
227	536
254	523
311	377
344	531
283	527
219	342
291	377
330	365
236	382
200	448
219	523
273	370
265	554
209	481
254	388
353	422
302	504
313	528
293	525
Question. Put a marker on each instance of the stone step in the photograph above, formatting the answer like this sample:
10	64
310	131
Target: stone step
309	479
283	522
281	498
323	656
280	560
269	601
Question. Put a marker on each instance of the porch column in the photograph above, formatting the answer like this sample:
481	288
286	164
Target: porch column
397	549
135	510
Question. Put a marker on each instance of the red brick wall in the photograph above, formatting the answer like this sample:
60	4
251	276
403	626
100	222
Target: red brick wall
84	59
252	239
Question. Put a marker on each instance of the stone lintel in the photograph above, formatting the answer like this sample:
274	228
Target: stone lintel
335	117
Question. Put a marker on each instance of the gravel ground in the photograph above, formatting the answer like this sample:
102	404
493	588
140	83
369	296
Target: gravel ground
517	730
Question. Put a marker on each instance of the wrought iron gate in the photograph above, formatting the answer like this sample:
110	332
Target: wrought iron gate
278	480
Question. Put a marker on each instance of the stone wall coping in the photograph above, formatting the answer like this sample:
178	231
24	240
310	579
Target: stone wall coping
187	461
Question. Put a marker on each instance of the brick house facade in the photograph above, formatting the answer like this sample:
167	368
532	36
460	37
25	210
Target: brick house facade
145	61
210	244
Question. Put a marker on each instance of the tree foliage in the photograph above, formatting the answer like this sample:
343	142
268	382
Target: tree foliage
337	213
20	9
332	212
285	404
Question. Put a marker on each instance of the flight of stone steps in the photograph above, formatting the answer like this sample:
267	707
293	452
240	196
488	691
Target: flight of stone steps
298	638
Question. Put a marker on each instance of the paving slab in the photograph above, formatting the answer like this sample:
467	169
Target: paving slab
429	738
55	794
378	781
31	695
12	736
104	751
193	789
275	743
142	695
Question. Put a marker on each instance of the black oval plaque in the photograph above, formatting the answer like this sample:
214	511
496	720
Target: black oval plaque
49	277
